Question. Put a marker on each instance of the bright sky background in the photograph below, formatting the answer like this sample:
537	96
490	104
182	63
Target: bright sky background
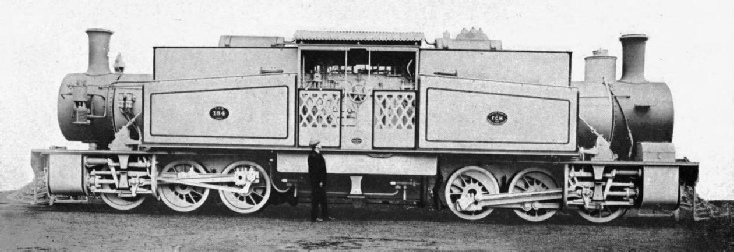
690	47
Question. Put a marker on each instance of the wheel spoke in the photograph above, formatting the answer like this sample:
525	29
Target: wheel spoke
114	201
259	192
455	189
524	178
533	180
197	192
469	179
179	197
522	188
606	214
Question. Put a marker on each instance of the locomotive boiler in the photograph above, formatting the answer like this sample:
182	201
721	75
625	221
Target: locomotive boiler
458	121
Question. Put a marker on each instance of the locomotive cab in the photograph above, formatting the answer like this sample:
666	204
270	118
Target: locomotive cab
358	97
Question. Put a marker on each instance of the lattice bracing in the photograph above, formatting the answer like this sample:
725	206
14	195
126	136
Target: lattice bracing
318	109
394	110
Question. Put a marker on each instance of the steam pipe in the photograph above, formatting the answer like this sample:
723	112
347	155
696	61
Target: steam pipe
99	45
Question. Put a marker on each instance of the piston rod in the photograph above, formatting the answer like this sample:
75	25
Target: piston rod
515	198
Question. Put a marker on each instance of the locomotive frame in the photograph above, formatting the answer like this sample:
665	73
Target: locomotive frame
528	154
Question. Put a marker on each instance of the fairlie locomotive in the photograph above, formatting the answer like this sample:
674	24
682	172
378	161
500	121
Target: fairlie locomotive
457	121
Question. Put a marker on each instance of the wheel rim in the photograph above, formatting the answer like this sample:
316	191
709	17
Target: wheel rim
533	180
606	214
182	198
116	202
463	184
257	195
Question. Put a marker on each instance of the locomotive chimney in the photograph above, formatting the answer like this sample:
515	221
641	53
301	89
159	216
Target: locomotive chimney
600	68
99	44
633	58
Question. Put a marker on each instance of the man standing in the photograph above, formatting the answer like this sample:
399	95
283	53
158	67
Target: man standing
317	177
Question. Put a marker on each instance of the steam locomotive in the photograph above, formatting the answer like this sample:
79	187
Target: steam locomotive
459	122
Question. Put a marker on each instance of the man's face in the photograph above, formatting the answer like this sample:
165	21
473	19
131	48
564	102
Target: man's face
317	147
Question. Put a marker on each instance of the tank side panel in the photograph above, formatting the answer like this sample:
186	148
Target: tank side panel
546	68
189	63
458	114
254	110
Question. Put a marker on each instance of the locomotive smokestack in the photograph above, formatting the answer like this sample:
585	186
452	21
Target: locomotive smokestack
600	67
99	45
633	58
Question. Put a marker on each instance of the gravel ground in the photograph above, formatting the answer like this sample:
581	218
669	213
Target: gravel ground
95	227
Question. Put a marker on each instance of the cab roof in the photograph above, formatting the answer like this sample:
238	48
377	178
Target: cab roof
349	37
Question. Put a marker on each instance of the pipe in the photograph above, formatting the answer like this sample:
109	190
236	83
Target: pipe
99	45
633	58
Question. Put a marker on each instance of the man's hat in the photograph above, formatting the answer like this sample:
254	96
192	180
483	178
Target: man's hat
313	142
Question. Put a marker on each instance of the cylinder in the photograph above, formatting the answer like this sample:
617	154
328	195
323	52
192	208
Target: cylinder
66	175
633	58
600	68
99	44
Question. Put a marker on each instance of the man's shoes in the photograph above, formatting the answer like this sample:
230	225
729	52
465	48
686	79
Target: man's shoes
318	220
330	218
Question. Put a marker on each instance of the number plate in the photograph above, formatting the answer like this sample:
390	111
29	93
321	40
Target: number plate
219	113
497	118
